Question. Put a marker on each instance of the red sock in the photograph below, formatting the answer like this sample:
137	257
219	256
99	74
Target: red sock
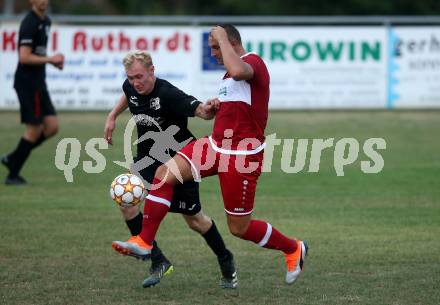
266	236
156	207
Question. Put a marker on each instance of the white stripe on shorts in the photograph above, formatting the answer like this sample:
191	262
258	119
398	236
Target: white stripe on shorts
238	214
196	174
236	152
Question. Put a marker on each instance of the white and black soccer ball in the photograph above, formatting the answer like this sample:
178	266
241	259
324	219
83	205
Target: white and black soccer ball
127	190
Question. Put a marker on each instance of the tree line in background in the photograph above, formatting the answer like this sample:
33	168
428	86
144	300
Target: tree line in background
238	7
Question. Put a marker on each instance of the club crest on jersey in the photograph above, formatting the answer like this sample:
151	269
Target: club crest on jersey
223	91
155	103
133	100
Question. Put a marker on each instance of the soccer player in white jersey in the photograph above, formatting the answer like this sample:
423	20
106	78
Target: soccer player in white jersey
234	152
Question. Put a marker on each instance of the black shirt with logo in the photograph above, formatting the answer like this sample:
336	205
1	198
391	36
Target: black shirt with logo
34	33
165	106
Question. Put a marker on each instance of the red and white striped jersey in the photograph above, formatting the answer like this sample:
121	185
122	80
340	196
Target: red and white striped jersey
241	120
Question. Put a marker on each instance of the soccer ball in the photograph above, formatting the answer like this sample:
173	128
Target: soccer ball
127	190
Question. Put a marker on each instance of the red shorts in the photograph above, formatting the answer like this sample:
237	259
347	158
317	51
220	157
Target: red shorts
238	174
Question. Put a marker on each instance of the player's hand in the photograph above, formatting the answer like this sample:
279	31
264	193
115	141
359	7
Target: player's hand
213	104
57	60
110	125
210	107
218	33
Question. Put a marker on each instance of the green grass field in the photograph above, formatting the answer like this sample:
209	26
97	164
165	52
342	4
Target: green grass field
374	238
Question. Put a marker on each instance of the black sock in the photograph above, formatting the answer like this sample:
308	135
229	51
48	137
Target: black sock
135	224
156	254
19	156
135	227
40	140
215	242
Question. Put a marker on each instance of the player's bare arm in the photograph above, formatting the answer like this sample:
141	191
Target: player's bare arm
110	123
28	58
230	51
208	109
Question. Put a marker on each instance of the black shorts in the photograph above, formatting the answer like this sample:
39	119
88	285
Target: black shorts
35	104
186	199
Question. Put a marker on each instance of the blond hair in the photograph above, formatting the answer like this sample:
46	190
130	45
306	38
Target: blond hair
142	56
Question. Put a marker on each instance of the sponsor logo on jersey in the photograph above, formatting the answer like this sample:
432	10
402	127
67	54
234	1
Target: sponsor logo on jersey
223	91
155	103
145	120
133	99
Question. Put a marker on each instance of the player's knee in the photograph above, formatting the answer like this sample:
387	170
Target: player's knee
129	212
51	130
33	132
194	224
238	225
237	231
161	172
199	222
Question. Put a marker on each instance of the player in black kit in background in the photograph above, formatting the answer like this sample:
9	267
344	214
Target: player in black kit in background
36	109
155	103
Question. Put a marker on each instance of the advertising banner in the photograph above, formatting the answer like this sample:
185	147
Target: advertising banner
93	72
320	67
415	67
330	67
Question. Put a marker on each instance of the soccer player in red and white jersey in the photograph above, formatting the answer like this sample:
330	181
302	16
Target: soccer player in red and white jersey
234	152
